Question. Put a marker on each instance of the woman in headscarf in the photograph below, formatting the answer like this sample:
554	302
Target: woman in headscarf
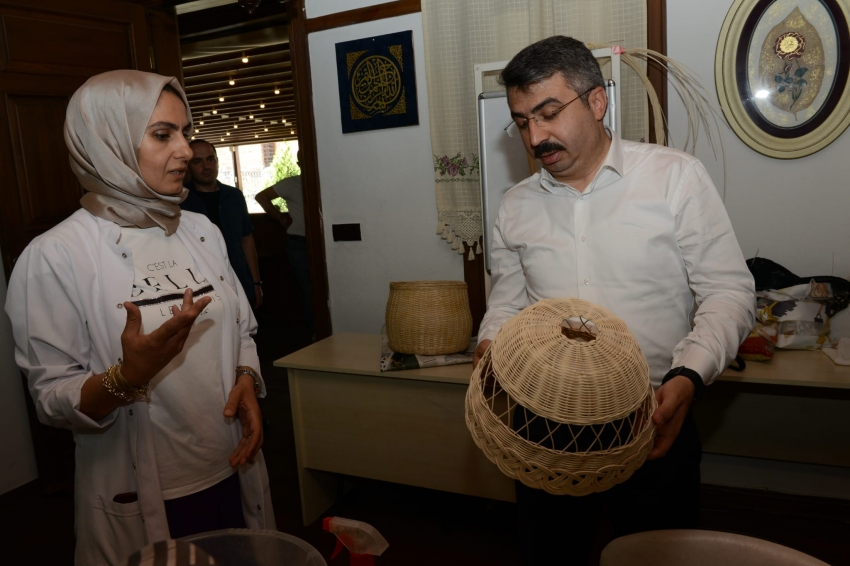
135	333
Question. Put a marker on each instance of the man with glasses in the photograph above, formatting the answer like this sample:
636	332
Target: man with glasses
226	208
641	230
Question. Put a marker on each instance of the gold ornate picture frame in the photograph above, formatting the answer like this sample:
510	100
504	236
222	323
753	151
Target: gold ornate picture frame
781	71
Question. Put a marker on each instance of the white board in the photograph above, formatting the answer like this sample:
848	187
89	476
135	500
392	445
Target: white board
502	160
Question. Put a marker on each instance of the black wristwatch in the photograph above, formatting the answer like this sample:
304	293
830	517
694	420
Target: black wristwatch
696	379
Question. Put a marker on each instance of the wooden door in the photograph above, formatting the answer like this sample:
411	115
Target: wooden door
48	48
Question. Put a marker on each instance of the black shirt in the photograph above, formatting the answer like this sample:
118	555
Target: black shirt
211	201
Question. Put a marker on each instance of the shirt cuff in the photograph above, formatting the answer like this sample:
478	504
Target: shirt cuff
699	360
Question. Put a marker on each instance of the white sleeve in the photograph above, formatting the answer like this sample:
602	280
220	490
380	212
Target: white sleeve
52	342
717	274
285	188
508	296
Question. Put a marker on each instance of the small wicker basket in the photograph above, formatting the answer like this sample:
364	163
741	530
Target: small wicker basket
428	318
562	401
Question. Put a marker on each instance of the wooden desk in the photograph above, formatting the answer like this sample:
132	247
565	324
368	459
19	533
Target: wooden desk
405	427
797	368
793	408
408	426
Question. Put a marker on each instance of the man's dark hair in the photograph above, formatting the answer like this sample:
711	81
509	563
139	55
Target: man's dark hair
556	54
199	140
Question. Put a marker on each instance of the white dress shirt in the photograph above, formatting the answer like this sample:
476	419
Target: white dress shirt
647	238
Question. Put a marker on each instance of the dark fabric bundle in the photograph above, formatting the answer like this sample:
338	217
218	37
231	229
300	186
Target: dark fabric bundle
770	275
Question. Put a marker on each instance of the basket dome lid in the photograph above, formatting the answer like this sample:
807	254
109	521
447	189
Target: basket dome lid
570	361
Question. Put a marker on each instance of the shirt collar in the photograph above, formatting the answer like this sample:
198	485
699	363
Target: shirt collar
610	171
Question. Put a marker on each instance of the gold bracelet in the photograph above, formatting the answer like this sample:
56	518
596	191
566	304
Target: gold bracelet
126	386
117	384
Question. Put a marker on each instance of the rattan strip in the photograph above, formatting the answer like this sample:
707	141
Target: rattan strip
428	317
583	382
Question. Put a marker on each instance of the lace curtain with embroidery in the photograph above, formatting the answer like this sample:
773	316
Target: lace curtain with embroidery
461	34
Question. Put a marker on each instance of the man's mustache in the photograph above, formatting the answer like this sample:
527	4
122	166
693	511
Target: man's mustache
547	147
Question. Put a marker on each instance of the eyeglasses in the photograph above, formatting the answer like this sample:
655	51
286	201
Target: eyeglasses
544	121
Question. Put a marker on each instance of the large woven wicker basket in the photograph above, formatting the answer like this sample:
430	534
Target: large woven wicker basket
428	318
562	400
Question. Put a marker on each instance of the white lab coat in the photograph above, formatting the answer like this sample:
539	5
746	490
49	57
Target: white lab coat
65	301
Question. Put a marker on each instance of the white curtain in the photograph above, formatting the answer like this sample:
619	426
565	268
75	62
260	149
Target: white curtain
462	33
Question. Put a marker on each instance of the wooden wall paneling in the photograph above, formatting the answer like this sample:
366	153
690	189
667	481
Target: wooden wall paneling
49	37
37	187
473	274
300	57
165	40
41	160
367	14
656	36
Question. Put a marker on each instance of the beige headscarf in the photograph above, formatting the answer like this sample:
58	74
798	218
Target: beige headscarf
104	126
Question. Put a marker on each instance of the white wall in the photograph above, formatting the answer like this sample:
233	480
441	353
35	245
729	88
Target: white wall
794	212
17	463
384	181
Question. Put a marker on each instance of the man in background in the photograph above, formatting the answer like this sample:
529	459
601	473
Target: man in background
290	190
225	206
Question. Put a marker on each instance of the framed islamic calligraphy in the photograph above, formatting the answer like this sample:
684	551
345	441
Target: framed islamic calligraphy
781	70
377	82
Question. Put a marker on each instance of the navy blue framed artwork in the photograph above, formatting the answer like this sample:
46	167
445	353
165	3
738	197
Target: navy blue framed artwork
377	82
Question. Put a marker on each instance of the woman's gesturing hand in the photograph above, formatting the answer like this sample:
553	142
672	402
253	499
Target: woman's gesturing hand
146	354
242	402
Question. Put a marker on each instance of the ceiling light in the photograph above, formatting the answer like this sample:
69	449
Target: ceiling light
197	131
231	82
276	90
244	57
228	133
262	105
250	116
235	126
201	122
215	111
292	132
222	139
220	98
265	129
256	135
193	137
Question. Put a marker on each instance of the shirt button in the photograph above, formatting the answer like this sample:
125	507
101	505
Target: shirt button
124	256
202	239
221	277
120	306
259	508
120	361
583	238
587	281
131	412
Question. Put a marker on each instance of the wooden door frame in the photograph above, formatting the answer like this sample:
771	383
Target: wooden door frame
301	77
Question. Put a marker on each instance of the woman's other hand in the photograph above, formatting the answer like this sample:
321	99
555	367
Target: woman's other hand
146	354
242	402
